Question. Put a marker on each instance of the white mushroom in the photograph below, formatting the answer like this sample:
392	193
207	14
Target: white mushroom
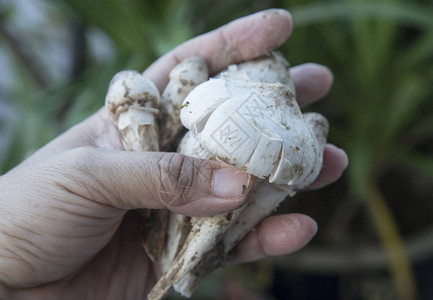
132	102
255	126
265	199
188	74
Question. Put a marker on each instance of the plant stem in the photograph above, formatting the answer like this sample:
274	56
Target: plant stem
392	242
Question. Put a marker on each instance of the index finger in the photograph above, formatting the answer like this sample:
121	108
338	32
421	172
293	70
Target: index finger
240	40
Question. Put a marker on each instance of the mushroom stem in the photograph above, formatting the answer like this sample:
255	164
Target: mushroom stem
265	199
204	234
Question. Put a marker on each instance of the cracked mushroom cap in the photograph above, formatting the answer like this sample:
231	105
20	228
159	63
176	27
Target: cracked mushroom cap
254	126
131	89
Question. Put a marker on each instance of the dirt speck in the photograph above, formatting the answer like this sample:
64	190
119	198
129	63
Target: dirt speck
297	170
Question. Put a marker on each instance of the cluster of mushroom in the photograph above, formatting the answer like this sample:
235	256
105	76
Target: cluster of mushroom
247	117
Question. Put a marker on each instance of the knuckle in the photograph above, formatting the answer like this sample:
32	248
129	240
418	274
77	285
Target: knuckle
182	179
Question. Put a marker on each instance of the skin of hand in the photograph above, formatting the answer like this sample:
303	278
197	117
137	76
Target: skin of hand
67	225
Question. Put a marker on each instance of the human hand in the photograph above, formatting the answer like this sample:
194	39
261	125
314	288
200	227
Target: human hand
67	229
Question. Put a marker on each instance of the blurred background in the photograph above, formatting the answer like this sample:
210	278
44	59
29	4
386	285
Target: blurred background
375	238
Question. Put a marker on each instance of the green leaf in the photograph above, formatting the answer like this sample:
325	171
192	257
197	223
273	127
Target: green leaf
418	52
406	99
398	12
423	163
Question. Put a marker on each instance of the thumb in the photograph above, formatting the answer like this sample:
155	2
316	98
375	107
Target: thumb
131	180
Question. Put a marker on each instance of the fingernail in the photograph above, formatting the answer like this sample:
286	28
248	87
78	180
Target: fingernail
314	226
229	183
343	155
346	158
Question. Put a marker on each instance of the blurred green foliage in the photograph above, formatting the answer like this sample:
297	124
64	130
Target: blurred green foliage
381	52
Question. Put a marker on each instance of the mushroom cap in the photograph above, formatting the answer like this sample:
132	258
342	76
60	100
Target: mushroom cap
255	126
269	68
186	71
130	88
